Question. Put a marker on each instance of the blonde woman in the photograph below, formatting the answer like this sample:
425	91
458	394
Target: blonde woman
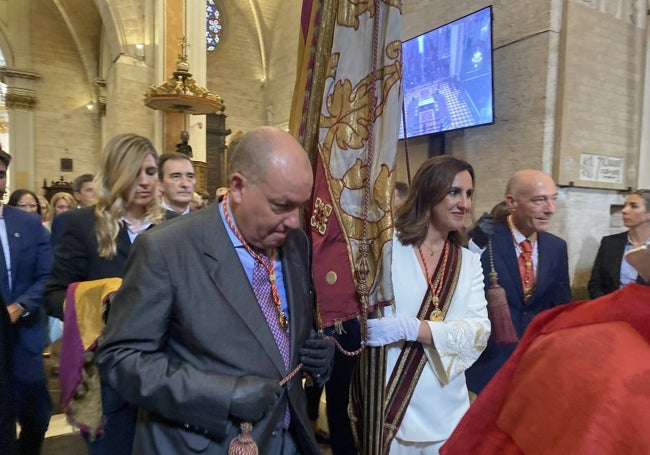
95	243
60	203
45	210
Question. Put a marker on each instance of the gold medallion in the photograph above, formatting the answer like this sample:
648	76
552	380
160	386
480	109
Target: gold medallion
436	315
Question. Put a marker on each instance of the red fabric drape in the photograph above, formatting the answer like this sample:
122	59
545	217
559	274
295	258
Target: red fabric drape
578	383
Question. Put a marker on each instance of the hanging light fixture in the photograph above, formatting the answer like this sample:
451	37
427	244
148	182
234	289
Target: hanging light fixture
180	93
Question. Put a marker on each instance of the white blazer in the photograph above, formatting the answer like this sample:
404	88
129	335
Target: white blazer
440	398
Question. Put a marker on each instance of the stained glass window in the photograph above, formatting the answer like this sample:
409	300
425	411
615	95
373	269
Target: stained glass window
213	29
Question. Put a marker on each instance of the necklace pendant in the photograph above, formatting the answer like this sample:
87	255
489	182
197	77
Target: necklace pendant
436	315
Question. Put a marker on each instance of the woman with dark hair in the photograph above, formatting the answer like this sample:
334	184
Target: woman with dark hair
611	271
439	325
95	244
25	200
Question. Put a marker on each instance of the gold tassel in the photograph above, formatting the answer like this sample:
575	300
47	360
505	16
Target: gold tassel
243	444
503	331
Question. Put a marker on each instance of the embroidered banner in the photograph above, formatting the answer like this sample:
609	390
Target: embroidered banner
358	79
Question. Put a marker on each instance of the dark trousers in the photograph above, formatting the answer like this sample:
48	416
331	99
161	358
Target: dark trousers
338	389
31	408
7	421
119	429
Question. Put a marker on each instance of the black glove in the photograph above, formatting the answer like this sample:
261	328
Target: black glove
252	397
482	230
316	356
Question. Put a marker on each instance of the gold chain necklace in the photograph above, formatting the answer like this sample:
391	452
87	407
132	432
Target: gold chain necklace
268	266
435	286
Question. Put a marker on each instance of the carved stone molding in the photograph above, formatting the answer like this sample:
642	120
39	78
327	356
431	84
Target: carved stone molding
20	98
20	74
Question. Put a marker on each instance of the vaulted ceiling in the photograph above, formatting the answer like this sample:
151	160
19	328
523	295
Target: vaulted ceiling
85	25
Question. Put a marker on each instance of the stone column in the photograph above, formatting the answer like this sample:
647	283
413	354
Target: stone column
20	101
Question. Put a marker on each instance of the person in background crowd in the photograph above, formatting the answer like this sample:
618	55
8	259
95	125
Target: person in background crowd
45	210
611	271
440	316
238	270
205	198
531	263
61	203
399	196
95	244
83	190
25	200
221	191
196	203
177	181
25	265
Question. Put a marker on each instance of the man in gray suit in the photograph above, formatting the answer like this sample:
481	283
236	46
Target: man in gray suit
196	341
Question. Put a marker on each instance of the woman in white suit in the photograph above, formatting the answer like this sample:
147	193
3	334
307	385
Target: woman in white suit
439	325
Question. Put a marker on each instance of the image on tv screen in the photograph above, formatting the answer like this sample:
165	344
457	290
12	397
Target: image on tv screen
447	76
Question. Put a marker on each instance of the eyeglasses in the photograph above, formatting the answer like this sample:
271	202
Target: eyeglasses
25	204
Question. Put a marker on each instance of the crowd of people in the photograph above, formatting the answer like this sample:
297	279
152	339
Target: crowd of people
212	331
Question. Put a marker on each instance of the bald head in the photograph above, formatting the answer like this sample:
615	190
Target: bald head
263	150
530	196
271	178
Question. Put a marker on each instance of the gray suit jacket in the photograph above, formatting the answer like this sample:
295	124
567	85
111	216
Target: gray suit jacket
185	324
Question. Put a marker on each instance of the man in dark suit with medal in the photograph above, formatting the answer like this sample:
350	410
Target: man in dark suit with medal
532	264
216	310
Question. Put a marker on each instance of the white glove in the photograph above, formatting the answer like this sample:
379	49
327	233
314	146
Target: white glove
390	329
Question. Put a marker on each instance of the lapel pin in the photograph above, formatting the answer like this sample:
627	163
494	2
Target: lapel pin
16	234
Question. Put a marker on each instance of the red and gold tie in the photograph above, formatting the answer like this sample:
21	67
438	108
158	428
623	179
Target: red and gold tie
526	269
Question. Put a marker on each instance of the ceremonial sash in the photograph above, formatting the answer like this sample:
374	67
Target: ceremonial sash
412	360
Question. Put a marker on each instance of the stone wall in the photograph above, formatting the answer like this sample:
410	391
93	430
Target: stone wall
235	67
62	126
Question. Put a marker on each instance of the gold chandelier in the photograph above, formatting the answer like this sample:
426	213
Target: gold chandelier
180	93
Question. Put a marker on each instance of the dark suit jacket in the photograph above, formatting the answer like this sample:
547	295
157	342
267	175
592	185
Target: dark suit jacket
6	346
58	226
186	324
606	273
7	422
31	262
552	288
77	258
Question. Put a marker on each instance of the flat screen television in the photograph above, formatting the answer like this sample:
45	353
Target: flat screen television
447	77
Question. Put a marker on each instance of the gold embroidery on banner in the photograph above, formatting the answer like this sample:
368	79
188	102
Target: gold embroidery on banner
349	11
345	119
320	216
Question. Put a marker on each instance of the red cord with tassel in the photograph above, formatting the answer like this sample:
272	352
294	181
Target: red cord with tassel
244	444
503	331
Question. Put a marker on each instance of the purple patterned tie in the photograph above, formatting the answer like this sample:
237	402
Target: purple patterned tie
262	290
